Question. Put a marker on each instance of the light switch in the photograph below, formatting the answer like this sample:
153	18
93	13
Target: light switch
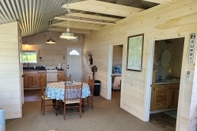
128	74
188	75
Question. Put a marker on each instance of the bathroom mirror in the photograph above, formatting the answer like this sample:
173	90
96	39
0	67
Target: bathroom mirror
166	58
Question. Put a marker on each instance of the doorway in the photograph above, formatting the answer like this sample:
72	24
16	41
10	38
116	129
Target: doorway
74	66
166	76
115	72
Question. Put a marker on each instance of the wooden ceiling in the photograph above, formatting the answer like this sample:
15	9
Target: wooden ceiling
84	16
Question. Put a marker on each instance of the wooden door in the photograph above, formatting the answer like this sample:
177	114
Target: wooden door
154	78
25	80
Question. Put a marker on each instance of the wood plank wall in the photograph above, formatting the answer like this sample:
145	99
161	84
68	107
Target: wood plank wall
51	54
10	88
161	22
117	55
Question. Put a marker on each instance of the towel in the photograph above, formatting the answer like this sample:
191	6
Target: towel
116	84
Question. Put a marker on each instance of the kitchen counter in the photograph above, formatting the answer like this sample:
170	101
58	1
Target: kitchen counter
168	81
36	68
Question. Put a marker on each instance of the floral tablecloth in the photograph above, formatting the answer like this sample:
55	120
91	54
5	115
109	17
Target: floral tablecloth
55	90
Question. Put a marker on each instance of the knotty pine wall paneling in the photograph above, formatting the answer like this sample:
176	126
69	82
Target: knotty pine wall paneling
10	80
158	23
117	55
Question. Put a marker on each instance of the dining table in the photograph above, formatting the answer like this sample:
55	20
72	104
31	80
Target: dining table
55	90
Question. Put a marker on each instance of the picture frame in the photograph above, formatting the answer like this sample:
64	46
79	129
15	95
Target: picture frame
135	52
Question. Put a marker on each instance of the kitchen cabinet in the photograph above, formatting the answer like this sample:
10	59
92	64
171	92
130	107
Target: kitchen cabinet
60	75
165	96
43	74
31	79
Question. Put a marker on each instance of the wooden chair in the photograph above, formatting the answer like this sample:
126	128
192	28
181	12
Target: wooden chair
67	78
43	97
73	98
90	97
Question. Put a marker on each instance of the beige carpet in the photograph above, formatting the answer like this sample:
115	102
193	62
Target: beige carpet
106	116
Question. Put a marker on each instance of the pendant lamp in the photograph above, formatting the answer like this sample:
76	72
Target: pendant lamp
67	34
50	40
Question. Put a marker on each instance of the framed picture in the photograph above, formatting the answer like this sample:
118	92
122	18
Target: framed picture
134	52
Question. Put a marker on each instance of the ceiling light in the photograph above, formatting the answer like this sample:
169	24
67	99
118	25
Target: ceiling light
50	40
67	34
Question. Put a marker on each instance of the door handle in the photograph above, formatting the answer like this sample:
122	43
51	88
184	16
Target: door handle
67	66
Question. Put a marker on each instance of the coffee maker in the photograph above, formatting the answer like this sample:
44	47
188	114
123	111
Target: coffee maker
59	66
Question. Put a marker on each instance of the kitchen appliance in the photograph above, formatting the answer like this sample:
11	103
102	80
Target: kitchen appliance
51	74
59	66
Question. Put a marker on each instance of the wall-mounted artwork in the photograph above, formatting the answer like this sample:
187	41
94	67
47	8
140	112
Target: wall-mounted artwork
134	52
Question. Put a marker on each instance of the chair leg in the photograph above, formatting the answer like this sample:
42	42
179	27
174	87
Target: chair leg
92	103
43	106
88	101
64	111
80	110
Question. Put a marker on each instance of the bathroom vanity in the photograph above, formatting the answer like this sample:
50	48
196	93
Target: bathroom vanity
165	95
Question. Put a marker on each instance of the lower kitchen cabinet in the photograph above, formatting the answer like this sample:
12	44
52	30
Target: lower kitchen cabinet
42	74
31	79
60	76
165	96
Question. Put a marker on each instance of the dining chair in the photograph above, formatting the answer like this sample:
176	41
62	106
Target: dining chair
72	98
67	78
90	97
44	98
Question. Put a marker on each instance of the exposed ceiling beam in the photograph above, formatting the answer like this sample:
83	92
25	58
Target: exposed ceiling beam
96	17
85	20
78	25
77	31
162	1
104	8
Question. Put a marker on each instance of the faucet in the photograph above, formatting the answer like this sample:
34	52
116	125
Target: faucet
27	64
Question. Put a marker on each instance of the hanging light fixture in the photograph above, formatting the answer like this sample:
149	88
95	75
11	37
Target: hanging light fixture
50	40
67	34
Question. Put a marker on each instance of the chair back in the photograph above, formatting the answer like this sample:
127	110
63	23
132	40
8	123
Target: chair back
73	92
91	85
42	84
68	78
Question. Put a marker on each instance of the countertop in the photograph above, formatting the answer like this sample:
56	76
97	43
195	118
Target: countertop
173	81
116	74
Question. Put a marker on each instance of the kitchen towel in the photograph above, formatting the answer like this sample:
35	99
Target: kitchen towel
2	120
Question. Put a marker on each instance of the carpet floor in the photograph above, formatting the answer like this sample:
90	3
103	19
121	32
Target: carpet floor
106	116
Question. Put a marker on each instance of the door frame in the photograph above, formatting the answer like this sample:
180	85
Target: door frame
109	77
150	74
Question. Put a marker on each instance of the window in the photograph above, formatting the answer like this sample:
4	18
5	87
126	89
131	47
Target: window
74	52
29	56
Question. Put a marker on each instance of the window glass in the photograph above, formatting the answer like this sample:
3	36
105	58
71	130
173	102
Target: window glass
29	57
74	52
